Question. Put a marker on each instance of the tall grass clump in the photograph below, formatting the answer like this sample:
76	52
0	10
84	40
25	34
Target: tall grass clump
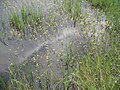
25	20
111	8
99	69
16	22
72	8
20	77
2	84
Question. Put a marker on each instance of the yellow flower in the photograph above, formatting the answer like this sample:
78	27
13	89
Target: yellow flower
34	59
47	57
37	65
39	76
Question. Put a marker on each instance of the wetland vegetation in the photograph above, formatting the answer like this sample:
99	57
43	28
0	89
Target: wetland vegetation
90	63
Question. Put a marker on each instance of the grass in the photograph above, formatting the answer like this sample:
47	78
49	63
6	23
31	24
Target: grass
96	73
1	34
72	7
24	21
2	83
111	7
29	18
16	22
98	69
20	78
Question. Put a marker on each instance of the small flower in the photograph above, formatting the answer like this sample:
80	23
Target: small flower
34	59
47	57
37	65
11	64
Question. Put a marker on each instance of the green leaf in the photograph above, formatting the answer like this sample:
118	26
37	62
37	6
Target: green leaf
1	34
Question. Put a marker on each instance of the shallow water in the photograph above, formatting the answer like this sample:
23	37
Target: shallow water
19	50
49	50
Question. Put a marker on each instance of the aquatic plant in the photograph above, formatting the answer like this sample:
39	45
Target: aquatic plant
72	7
97	69
16	22
111	8
2	83
20	77
25	20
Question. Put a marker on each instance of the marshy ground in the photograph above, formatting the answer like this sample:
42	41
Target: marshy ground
57	45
